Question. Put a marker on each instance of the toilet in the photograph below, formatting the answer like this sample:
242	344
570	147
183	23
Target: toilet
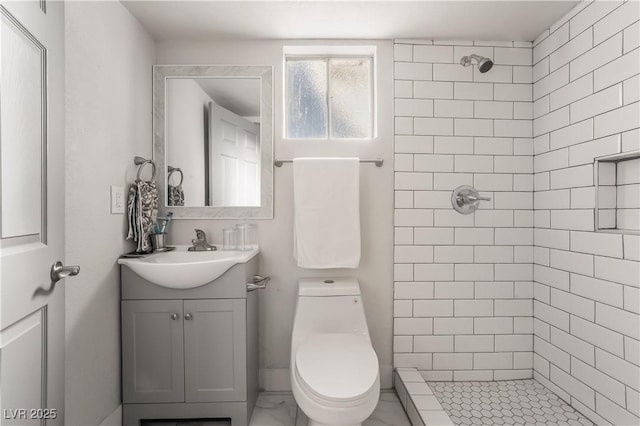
334	369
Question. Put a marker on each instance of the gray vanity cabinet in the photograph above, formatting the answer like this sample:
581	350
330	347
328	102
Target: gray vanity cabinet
153	351
215	350
190	353
191	350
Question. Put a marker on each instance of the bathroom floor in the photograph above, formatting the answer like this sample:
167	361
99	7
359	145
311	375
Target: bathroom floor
280	409
273	409
504	403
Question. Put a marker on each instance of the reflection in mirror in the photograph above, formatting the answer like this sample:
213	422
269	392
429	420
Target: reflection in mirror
214	137
175	193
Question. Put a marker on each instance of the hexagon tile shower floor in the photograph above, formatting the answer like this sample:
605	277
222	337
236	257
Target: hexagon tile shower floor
508	402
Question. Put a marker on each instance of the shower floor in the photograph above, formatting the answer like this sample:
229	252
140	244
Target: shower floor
508	402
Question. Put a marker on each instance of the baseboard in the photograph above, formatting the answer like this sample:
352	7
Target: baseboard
113	419
275	380
386	376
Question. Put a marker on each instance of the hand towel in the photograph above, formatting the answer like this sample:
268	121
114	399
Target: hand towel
142	204
175	195
327	212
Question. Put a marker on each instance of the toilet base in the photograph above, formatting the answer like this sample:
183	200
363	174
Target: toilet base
314	423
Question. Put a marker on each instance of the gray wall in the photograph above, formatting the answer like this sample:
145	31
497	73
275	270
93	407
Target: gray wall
108	121
275	236
185	126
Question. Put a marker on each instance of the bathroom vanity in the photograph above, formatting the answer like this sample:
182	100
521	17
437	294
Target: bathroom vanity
190	353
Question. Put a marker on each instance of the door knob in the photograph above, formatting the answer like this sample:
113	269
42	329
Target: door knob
188	317
59	271
175	316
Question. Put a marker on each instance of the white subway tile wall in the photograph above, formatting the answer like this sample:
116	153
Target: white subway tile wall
524	286
586	287
464	283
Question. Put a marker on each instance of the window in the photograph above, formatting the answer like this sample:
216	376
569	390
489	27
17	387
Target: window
329	97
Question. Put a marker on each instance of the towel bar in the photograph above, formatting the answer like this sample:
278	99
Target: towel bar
143	162
173	170
258	282
378	162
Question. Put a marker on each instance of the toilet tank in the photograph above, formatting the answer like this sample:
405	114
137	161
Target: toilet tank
328	287
329	306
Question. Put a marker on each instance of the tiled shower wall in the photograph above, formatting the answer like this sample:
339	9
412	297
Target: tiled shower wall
463	291
463	283
587	300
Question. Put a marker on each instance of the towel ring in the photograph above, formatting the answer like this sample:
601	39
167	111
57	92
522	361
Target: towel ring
143	162
175	169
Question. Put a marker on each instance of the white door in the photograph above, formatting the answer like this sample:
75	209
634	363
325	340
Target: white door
234	146
32	212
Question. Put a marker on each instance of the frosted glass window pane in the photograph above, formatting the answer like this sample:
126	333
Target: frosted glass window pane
350	98
307	99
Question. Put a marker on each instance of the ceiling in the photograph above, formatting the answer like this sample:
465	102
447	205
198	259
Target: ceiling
239	95
334	19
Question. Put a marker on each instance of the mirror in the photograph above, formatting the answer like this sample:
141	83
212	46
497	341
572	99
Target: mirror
213	137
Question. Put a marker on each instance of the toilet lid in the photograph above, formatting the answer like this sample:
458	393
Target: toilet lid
337	366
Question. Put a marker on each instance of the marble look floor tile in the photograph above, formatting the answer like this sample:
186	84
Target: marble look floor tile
302	419
280	410
274	409
389	412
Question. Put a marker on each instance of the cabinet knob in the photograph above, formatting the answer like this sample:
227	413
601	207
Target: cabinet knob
188	317
175	316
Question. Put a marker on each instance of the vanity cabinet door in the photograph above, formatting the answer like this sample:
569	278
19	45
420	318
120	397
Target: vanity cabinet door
152	351
215	350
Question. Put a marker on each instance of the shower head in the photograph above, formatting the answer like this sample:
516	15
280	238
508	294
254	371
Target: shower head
484	64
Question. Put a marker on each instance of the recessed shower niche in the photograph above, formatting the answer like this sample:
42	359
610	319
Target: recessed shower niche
618	193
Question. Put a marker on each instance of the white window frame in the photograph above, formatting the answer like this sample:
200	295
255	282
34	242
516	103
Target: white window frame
328	53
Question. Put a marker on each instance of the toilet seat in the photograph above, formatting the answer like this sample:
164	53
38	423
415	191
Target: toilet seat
337	368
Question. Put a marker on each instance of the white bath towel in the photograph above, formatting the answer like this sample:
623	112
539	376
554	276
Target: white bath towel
327	212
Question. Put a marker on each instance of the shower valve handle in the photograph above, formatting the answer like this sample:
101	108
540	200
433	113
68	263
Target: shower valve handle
472	198
465	199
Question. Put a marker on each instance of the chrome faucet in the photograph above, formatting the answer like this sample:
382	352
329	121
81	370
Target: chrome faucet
200	242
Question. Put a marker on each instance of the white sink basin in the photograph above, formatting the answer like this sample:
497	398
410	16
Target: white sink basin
186	269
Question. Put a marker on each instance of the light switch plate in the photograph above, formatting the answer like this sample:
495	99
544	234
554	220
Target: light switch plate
117	199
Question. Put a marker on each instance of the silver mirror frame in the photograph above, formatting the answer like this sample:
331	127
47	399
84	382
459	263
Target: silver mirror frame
160	75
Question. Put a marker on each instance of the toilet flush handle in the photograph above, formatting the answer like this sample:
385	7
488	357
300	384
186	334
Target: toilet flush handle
258	282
